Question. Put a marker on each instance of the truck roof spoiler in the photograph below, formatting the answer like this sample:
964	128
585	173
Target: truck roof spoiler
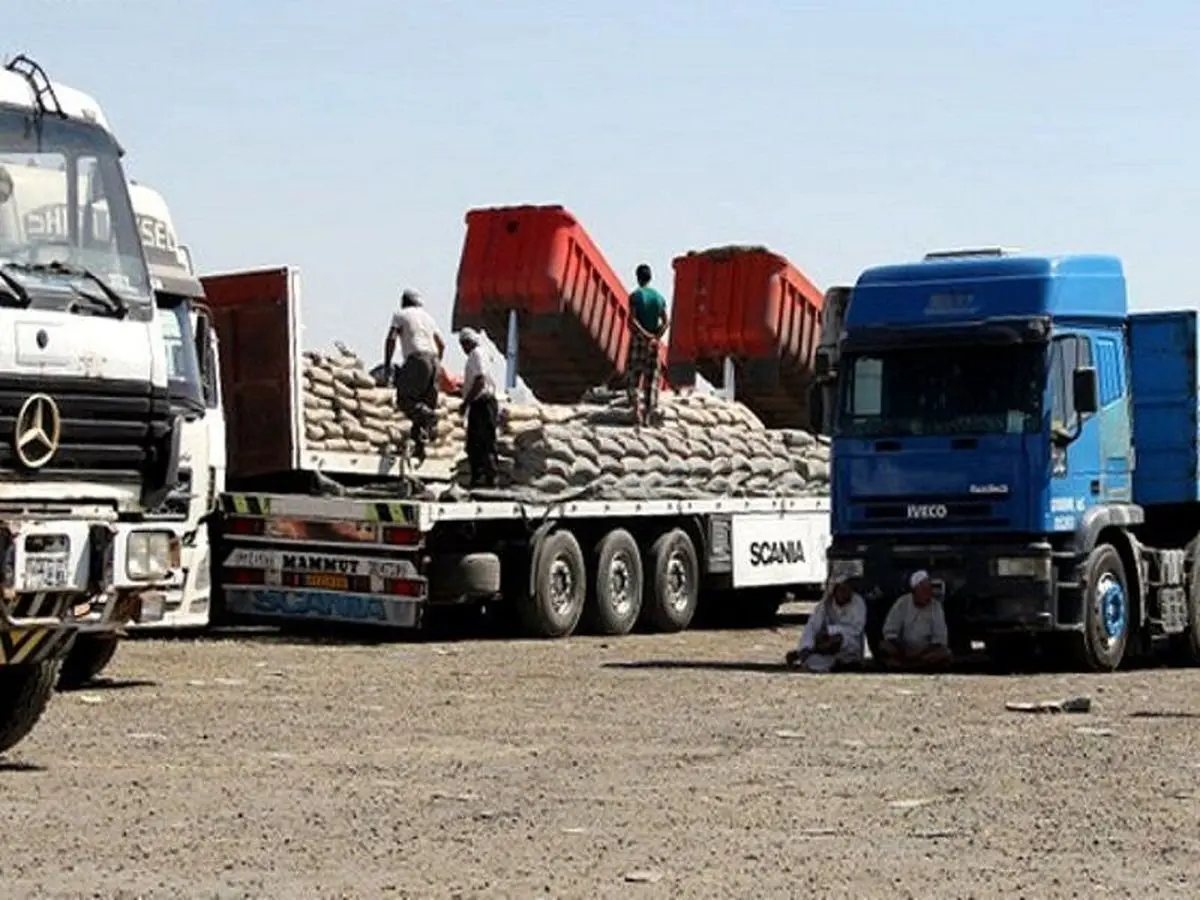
934	255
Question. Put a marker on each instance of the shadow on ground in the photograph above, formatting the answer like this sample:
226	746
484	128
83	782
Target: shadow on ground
19	767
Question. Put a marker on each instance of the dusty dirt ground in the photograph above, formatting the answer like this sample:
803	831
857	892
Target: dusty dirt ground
644	767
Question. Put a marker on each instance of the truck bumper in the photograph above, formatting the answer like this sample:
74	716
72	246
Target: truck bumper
188	593
65	577
325	606
987	588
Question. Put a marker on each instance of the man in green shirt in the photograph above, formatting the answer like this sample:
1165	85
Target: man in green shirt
647	324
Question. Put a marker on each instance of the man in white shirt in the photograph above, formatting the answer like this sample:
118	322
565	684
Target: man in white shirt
833	637
421	348
483	412
915	634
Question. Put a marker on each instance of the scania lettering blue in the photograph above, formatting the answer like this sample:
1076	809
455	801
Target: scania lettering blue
1006	423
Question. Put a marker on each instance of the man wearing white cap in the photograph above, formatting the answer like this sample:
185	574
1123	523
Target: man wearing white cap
483	412
422	349
833	637
915	634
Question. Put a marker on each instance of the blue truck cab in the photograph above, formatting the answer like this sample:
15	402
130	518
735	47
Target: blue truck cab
1004	423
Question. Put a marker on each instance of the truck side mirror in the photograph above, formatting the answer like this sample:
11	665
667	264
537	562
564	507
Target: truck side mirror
821	364
816	408
1083	385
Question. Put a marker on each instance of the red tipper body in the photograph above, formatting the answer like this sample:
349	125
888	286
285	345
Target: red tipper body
573	310
751	305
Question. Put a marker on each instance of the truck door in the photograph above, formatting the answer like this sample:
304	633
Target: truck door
256	318
1075	465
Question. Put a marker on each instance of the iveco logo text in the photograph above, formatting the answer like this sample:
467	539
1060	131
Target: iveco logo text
927	511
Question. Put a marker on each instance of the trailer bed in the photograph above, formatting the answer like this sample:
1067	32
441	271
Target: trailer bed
425	514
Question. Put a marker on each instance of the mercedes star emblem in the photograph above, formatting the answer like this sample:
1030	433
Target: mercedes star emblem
38	431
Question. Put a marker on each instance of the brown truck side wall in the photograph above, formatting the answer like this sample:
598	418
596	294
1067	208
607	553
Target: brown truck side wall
252	315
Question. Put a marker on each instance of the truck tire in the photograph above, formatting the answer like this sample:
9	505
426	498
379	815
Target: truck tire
672	583
86	659
24	693
615	600
1186	646
554	607
1100	647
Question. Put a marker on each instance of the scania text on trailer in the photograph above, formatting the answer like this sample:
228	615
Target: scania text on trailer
1007	424
89	441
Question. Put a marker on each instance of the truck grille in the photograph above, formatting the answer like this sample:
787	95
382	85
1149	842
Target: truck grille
109	428
925	512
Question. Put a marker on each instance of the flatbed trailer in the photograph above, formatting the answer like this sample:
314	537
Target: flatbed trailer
310	535
606	565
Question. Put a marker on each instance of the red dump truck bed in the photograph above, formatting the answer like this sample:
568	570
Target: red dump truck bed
572	309
751	305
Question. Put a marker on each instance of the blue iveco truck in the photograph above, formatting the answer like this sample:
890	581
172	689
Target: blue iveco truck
1006	423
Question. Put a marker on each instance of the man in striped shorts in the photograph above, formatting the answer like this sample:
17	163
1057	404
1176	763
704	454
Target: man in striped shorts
647	324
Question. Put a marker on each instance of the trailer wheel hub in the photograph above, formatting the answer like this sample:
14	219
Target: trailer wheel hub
562	587
677	583
619	585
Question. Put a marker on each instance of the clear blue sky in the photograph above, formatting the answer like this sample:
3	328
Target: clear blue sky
350	138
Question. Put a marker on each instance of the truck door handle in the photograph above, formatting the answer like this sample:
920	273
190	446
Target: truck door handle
1095	487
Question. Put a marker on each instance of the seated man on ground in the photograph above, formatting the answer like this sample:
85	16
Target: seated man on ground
833	638
914	633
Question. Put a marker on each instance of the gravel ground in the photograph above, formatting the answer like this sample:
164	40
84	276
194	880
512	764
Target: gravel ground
645	767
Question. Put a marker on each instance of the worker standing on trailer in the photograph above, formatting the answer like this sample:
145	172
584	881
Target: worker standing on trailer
647	324
416	381
914	632
483	412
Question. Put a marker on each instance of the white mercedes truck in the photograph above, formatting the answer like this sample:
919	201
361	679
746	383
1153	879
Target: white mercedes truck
193	378
88	438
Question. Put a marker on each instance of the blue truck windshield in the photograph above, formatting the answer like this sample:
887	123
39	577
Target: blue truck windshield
905	392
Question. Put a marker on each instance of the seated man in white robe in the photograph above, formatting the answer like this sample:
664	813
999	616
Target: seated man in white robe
833	637
914	634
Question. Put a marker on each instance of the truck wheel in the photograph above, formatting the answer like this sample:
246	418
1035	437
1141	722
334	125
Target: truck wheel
615	600
1100	647
1188	645
560	588
86	659
672	583
24	693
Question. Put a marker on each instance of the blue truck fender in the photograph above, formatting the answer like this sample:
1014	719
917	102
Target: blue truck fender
1117	518
1102	516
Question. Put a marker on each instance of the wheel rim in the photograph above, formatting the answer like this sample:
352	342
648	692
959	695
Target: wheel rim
562	587
677	583
1113	608
620	585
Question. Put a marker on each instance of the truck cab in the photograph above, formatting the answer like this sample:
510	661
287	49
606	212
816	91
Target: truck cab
983	433
91	441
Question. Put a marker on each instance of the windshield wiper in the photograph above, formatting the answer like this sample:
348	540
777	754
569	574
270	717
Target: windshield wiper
18	291
110	300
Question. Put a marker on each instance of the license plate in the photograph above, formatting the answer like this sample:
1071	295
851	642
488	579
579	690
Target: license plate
46	573
326	582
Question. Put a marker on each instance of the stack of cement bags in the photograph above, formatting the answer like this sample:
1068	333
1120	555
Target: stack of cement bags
704	446
701	446
344	412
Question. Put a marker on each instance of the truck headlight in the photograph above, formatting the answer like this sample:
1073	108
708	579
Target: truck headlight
1035	567
149	555
845	568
